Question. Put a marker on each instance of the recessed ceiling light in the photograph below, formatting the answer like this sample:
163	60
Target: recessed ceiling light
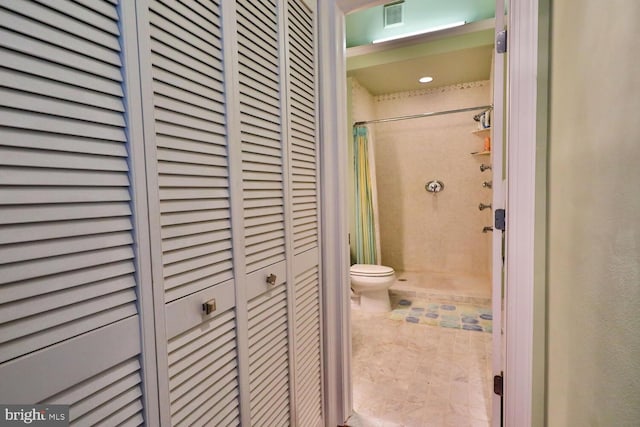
425	79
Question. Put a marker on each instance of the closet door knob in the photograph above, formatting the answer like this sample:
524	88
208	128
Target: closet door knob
271	279
209	306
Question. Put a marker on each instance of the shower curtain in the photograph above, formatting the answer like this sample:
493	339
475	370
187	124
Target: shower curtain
367	243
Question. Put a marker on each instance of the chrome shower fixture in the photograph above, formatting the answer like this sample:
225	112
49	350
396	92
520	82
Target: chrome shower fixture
434	186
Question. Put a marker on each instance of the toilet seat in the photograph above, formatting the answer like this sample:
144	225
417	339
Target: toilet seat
371	270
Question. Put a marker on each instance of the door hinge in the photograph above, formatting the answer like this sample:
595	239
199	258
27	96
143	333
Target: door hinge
501	41
500	215
497	384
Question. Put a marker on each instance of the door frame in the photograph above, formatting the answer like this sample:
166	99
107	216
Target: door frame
524	376
498	268
522	212
333	214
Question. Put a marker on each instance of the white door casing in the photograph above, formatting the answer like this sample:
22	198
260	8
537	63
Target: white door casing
334	220
498	125
522	87
521	216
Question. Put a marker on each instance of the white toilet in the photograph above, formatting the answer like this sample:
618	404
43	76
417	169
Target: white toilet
372	282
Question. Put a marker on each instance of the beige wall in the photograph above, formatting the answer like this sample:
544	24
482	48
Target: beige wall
594	215
421	231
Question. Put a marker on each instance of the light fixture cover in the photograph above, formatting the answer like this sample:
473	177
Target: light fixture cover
418	33
425	79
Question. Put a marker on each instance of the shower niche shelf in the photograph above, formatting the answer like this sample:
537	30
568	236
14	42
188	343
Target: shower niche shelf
480	131
483	133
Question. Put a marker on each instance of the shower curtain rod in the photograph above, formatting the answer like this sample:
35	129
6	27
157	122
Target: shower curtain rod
417	116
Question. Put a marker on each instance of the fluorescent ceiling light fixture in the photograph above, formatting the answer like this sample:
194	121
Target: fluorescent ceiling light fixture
417	33
425	79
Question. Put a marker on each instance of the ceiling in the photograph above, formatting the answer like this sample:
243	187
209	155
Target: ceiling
467	65
452	56
364	26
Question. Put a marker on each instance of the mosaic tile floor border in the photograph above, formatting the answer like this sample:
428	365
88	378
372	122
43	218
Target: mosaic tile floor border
447	315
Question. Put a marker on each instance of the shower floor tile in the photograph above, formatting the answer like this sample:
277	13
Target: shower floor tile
452	315
435	286
411	375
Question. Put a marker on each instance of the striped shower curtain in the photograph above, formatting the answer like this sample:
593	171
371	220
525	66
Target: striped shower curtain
366	246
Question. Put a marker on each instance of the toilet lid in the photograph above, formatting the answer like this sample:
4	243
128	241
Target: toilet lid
371	270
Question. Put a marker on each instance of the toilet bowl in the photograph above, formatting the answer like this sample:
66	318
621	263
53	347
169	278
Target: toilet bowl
372	283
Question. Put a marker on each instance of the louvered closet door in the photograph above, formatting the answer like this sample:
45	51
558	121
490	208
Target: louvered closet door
193	202
263	200
303	175
69	325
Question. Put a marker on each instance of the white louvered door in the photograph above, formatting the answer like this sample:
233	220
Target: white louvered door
172	140
304	197
69	297
237	197
263	197
192	237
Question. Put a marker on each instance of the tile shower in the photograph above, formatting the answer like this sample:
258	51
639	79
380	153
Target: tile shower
433	232
428	362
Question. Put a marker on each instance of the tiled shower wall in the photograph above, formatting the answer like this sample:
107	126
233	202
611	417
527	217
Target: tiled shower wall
421	231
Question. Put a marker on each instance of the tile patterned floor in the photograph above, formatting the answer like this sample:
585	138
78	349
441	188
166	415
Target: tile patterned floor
447	315
416	375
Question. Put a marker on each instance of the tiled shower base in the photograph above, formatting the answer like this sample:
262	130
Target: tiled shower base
454	315
442	287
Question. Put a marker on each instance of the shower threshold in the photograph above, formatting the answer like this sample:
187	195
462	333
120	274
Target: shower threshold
442	287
